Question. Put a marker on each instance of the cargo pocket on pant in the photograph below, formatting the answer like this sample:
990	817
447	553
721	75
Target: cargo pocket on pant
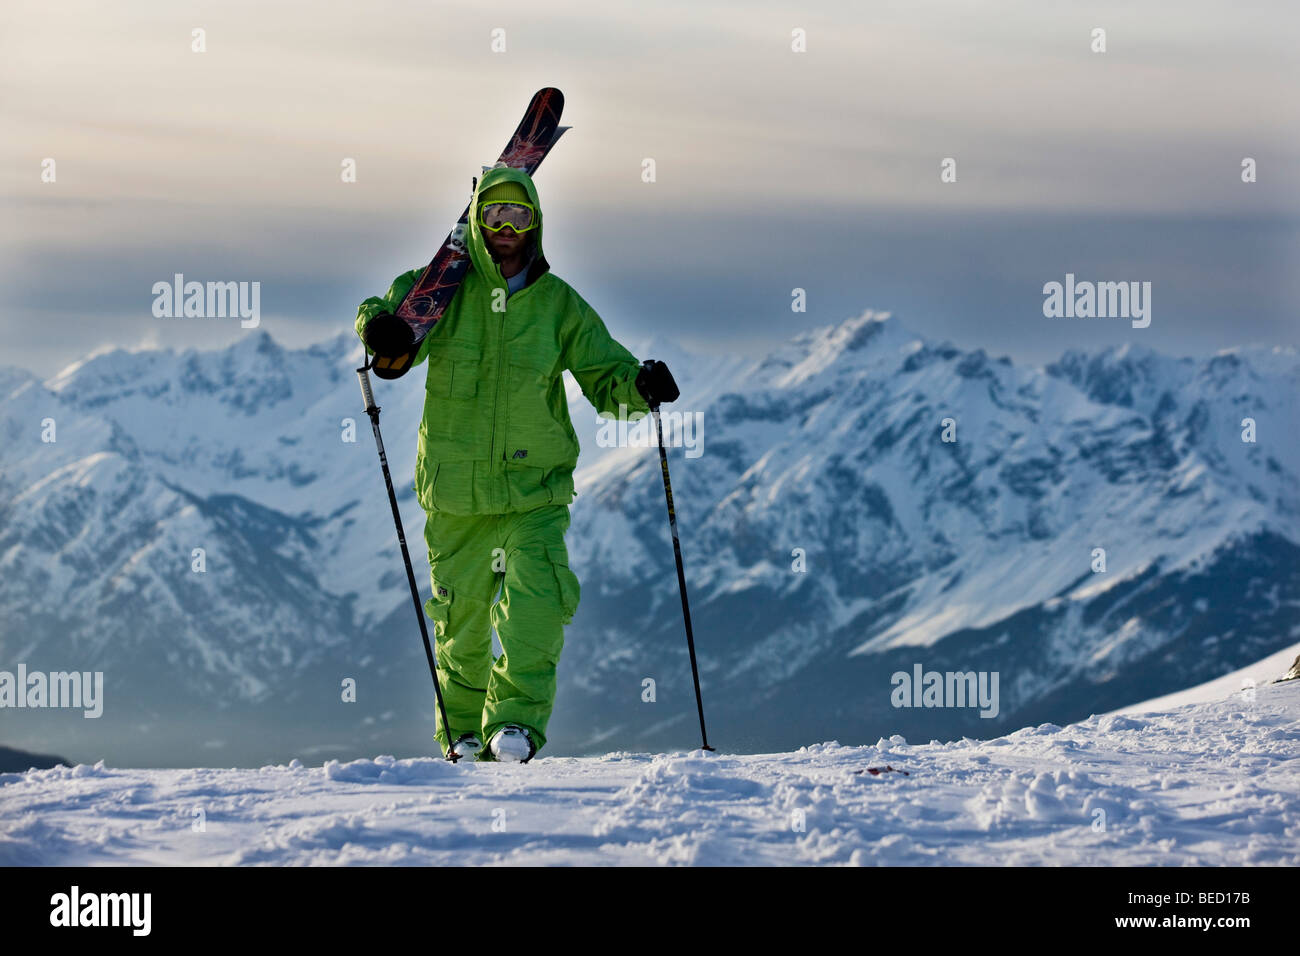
566	581
438	607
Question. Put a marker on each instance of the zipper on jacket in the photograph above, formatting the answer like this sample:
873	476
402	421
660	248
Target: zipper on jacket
496	403
502	371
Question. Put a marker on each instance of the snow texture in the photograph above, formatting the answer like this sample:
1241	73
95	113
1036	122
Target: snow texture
1239	681
1214	783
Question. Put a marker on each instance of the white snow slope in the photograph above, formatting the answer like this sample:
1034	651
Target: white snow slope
1253	675
1214	783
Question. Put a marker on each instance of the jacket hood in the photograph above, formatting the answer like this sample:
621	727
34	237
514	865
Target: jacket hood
479	254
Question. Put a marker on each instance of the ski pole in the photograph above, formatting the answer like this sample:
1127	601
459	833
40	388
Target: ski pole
681	573
363	375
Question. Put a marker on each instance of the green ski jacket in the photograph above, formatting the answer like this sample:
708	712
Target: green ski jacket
496	435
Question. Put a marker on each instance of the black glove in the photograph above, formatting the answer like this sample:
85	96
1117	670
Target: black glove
655	383
388	336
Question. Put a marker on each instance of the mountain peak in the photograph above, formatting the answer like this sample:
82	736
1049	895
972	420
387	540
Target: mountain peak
852	333
103	361
871	333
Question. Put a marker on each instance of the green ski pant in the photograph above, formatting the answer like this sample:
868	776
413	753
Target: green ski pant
470	557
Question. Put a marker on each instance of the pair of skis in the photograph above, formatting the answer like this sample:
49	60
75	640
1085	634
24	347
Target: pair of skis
428	299
425	304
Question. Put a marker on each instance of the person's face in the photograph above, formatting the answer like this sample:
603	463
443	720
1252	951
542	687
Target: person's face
504	244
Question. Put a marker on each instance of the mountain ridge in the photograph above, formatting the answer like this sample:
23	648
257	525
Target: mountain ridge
260	456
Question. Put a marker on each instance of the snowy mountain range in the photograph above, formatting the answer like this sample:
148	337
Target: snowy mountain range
209	530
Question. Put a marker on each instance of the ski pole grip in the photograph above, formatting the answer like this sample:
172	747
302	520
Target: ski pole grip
363	376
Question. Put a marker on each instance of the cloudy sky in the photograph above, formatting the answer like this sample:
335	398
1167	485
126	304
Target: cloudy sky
775	169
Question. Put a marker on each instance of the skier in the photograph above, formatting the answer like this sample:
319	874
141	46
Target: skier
494	472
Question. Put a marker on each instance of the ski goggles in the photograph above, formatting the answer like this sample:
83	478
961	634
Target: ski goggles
519	216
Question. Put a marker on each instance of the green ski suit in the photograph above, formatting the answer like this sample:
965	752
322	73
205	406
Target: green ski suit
494	475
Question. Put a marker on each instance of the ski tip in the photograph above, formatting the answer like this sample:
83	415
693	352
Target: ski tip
549	95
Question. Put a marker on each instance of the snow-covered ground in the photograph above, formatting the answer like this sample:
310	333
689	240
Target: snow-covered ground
1253	675
1214	783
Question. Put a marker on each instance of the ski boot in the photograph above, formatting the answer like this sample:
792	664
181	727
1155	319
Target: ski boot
511	744
467	745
